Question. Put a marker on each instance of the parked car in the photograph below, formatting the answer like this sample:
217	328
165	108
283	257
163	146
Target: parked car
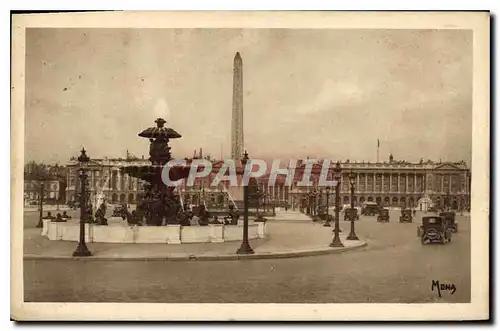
450	216
383	215
369	209
432	209
406	216
119	211
434	229
349	213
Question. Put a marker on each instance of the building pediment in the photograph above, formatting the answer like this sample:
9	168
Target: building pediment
448	167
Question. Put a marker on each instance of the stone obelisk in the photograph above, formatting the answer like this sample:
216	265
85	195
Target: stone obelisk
237	119
237	127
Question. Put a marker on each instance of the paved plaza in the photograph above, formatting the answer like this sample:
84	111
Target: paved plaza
393	267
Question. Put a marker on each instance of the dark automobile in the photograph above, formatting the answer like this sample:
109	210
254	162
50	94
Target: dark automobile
321	212
450	216
405	216
369	209
434	229
119	211
74	204
383	215
432	209
349	212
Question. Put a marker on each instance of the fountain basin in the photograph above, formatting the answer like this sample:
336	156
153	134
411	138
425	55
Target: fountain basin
117	232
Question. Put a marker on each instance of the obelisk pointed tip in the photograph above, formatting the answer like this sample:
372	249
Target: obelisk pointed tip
237	56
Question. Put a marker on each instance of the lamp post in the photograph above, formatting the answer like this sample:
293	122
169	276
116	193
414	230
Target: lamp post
336	239
257	198
352	234
468	190
245	245
81	249
313	197
42	193
327	223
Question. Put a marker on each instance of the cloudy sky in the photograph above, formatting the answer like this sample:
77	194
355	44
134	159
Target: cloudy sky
317	93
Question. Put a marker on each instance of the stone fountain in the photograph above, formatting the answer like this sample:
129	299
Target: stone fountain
160	206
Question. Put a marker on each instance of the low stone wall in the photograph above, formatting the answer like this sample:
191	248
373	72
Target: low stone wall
47	208
170	234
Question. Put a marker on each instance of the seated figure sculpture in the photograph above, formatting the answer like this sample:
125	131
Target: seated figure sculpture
49	216
59	218
99	215
215	220
234	215
203	216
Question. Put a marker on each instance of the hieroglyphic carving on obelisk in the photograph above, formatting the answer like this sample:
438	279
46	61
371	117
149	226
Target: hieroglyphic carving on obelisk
237	116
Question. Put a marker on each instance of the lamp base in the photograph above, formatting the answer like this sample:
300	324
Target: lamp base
244	249
82	250
336	242
352	236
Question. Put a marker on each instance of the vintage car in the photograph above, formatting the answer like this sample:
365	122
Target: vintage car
433	209
434	229
406	216
450	216
383	215
74	204
321	212
119	211
369	209
348	212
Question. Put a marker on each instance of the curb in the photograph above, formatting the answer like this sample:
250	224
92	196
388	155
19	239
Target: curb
230	257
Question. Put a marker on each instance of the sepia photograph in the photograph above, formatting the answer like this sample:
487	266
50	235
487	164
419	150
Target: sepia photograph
289	164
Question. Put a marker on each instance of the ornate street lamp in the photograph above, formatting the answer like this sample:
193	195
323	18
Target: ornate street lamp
327	223
257	198
81	249
336	239
352	234
245	245
41	177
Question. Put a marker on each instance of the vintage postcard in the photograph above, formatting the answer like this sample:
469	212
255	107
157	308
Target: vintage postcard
315	166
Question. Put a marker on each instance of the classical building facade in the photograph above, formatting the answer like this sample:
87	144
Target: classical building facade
104	175
394	183
53	178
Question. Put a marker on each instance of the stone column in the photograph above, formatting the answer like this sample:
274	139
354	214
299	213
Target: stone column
415	183
406	183
366	182
357	182
441	176
390	183
397	182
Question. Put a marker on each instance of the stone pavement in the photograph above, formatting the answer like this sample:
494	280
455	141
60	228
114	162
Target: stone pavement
284	240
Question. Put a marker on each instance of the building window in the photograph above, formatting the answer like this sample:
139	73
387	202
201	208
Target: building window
361	183
394	184
387	183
